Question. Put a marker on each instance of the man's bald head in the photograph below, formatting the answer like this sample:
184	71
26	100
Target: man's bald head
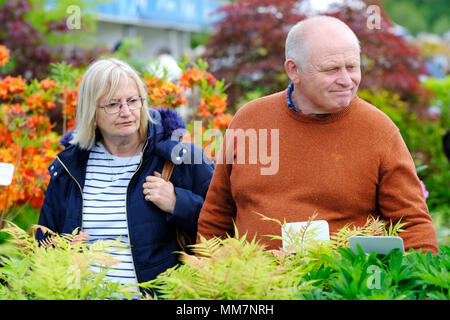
317	28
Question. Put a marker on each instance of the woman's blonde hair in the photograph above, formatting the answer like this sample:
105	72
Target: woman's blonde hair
100	81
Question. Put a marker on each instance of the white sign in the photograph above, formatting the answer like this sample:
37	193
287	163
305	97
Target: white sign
6	173
317	230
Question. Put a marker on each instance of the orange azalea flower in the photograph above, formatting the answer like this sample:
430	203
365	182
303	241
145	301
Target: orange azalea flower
5	136
218	104
77	83
34	101
204	110
222	121
4	55
71	124
49	105
70	104
152	82
191	77
47	84
3	92
12	85
165	94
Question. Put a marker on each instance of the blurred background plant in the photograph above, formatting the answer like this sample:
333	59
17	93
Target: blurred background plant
36	34
420	16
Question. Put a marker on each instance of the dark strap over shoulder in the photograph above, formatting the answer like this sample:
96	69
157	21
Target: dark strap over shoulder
183	239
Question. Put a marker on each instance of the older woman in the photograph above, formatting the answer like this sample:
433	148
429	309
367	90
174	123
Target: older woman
107	181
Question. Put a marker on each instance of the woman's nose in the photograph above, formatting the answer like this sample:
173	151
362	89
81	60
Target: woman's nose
124	109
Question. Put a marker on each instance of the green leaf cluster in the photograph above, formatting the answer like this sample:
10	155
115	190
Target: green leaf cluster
236	268
59	268
398	276
231	269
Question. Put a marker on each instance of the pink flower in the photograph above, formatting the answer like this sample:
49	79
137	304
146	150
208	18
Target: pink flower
425	191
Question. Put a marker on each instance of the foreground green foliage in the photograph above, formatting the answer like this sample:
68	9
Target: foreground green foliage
57	270
228	269
235	268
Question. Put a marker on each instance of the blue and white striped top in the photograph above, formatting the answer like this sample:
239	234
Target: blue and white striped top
104	206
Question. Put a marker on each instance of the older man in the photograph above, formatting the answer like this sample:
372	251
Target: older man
337	155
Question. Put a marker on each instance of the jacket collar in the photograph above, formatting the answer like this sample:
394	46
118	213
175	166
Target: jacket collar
165	134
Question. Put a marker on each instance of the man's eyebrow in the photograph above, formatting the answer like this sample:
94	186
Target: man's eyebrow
355	61
327	65
331	65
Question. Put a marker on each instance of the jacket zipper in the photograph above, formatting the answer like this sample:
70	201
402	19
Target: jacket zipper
81	191
126	211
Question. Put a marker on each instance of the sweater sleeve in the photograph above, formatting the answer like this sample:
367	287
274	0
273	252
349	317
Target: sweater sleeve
400	195
219	210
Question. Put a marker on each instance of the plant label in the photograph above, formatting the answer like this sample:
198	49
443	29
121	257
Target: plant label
379	244
6	173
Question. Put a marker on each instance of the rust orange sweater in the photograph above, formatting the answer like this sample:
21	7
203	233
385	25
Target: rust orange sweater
346	167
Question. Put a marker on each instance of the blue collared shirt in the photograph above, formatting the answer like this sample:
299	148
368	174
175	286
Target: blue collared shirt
293	107
289	99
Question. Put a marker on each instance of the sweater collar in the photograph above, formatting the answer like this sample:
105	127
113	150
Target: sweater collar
291	105
296	113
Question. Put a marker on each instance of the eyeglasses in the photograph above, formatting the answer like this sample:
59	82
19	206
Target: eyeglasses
133	103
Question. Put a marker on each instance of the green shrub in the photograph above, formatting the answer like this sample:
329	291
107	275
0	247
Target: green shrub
228	269
235	268
57	270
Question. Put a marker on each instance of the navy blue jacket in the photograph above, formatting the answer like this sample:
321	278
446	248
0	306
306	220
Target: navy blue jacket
152	232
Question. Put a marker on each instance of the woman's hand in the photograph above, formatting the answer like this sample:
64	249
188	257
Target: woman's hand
160	192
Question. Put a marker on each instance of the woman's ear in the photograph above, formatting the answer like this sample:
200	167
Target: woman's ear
292	71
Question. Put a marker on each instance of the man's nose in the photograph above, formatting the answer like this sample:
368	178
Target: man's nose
344	78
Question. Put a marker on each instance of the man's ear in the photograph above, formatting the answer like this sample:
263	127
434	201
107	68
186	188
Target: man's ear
292	71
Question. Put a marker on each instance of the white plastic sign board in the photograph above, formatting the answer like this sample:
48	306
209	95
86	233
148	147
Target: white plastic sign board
6	173
319	230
